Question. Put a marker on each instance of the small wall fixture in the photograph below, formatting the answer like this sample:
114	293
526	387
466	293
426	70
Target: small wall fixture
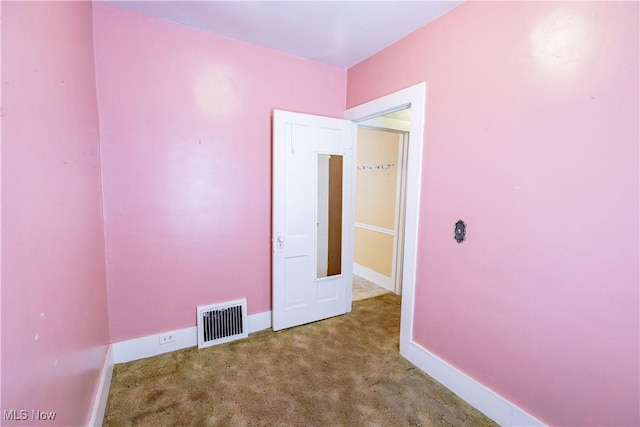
460	231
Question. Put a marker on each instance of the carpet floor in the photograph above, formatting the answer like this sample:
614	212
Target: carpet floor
343	371
363	289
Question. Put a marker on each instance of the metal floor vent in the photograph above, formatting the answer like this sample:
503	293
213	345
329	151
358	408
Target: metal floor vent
220	323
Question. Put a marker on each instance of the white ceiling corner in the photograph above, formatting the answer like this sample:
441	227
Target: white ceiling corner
338	33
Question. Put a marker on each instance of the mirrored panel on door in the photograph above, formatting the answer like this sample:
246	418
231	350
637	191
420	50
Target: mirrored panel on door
329	215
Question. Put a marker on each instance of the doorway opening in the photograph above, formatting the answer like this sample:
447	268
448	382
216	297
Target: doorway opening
412	97
303	290
380	193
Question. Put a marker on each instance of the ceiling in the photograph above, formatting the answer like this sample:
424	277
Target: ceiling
339	33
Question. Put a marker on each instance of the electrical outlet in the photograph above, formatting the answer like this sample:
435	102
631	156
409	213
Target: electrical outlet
166	338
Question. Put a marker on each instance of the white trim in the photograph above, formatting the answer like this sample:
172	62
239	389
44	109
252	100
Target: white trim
347	230
148	346
375	228
259	321
373	276
477	395
401	195
139	348
387	123
102	392
413	97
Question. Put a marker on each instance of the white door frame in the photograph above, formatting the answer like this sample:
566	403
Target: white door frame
414	97
401	196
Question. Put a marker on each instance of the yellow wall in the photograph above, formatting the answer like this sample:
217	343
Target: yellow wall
376	188
373	250
376	182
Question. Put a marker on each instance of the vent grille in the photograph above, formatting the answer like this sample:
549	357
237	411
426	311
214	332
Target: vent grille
222	323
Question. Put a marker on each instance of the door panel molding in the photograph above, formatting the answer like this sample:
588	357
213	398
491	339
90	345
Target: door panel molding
298	296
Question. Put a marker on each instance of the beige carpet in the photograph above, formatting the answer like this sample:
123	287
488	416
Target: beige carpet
344	371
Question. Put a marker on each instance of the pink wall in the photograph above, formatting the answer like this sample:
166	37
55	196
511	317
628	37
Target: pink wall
185	120
54	306
532	138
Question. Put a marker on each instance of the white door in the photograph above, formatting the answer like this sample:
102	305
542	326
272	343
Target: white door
313	181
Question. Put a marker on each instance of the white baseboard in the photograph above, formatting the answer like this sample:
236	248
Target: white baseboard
480	397
139	348
373	276
259	321
102	393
